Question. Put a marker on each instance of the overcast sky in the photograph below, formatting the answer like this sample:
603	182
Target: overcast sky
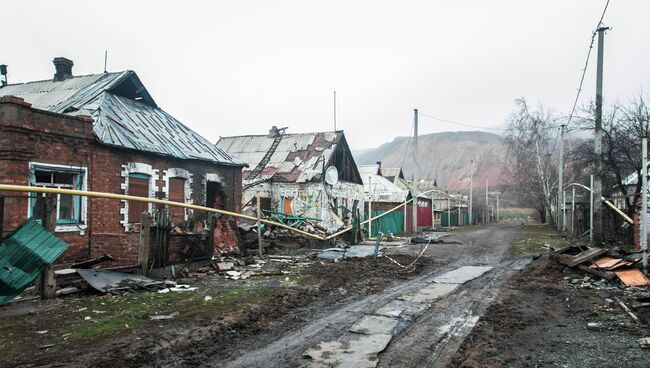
238	67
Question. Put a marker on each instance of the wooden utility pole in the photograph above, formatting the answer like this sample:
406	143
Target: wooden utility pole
145	236
560	188
259	224
597	229
487	206
46	281
498	216
416	178
591	209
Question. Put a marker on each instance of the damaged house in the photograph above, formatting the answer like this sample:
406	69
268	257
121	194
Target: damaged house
105	133
382	196
306	174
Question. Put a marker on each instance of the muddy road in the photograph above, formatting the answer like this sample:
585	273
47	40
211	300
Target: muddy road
428	337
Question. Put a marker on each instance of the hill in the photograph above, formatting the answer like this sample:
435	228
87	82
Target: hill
446	157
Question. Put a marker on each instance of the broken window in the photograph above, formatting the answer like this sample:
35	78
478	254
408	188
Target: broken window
139	187
68	207
177	194
214	196
287	210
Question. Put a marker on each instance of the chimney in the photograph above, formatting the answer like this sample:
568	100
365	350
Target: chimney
275	131
379	164
63	68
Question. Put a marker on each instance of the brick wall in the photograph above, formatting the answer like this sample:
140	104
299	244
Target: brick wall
28	134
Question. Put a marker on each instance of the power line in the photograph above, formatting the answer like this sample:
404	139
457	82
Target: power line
457	123
584	71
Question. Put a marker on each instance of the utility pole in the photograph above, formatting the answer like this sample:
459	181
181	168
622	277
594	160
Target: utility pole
370	206
487	206
560	188
498	217
591	209
597	229
471	179
643	231
573	211
416	179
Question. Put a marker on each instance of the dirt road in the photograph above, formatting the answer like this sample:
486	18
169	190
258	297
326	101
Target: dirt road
427	338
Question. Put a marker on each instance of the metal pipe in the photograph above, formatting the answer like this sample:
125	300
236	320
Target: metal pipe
608	203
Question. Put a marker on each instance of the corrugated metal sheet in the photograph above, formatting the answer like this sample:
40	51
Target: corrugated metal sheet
383	190
368	170
120	121
297	157
126	123
24	255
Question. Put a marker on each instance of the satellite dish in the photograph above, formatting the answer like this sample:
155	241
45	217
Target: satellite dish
331	175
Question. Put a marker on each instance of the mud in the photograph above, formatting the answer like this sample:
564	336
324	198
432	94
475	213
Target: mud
540	320
207	340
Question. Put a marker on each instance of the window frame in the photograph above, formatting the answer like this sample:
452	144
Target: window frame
81	222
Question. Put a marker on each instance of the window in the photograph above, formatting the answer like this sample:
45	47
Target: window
70	209
139	187
177	194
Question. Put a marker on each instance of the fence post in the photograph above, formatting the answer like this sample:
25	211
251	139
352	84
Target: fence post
47	285
145	236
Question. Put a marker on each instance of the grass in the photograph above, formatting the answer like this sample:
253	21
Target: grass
532	240
110	316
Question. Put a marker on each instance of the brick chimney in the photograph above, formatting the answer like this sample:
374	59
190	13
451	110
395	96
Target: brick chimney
63	68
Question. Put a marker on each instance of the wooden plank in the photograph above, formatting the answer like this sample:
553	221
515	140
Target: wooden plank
586	256
632	277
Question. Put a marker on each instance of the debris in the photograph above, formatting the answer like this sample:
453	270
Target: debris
107	281
234	275
42	332
356	251
361	352
68	290
81	309
46	346
177	288
87	318
24	255
87	264
593	325
585	256
632	277
225	266
159	317
625	308
644	343
207	298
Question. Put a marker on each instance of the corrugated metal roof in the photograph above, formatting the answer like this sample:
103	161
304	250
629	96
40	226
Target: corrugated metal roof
368	170
120	120
126	123
24	255
383	190
298	157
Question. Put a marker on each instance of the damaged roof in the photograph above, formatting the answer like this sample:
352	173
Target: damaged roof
299	157
125	115
381	189
369	170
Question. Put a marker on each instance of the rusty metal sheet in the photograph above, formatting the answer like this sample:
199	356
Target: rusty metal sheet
632	277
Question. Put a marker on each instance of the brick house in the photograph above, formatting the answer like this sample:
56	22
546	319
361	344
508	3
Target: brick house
105	133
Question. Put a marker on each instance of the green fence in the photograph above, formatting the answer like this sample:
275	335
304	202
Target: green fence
447	218
391	223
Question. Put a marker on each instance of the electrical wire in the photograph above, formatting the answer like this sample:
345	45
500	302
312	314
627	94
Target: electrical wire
584	70
457	123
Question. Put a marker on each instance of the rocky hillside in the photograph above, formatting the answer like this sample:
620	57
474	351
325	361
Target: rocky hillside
446	157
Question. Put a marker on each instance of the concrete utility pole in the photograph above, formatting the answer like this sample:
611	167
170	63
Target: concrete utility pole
416	178
369	206
487	206
560	187
597	229
643	231
591	209
471	179
573	211
498	216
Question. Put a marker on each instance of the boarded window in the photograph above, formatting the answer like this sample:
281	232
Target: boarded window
177	194
138	186
287	205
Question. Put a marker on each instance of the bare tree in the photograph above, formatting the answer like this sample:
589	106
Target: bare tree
624	124
530	140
